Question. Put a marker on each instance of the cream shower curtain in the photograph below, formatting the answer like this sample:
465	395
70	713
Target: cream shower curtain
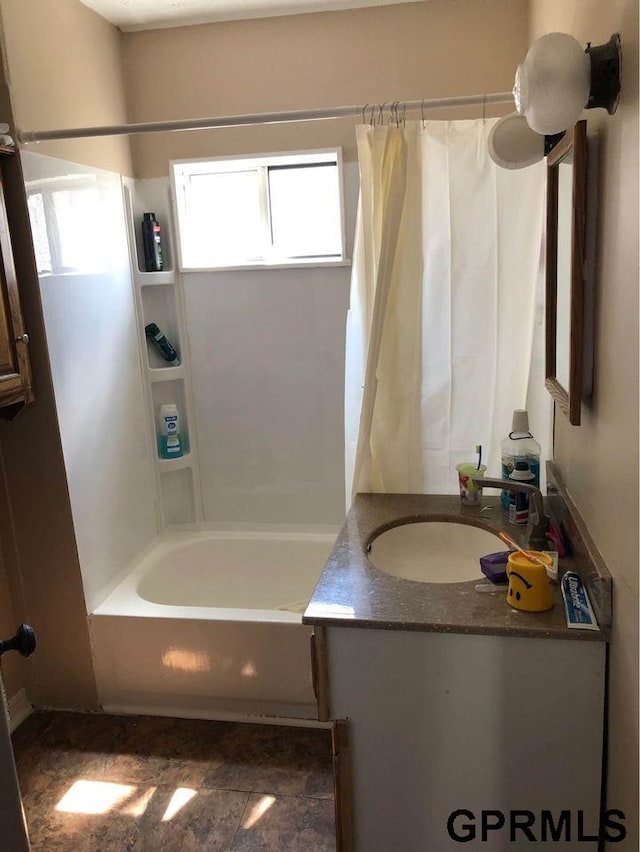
440	331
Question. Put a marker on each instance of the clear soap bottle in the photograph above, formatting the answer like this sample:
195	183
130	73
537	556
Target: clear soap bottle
519	446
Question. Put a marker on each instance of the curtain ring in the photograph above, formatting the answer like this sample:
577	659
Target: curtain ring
372	122
422	113
484	109
364	110
381	113
403	114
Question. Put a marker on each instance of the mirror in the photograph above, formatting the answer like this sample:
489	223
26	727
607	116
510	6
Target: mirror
566	194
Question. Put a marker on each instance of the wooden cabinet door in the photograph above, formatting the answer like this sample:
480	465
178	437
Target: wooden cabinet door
15	368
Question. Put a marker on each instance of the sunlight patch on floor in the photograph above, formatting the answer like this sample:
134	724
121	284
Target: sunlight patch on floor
139	805
180	798
258	811
93	797
102	797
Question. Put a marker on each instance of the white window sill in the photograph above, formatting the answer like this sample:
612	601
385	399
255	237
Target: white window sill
298	264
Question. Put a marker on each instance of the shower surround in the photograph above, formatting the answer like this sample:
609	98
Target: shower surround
195	570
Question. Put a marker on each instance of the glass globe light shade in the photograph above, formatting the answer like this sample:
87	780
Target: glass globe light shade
512	144
552	84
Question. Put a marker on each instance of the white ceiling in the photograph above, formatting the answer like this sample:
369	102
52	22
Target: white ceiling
152	14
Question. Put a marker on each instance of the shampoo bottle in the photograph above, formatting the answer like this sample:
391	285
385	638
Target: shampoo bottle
151	243
170	445
519	445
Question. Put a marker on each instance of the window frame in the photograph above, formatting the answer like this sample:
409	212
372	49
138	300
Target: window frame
262	162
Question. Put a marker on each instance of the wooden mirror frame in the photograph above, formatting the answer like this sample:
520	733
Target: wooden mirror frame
568	399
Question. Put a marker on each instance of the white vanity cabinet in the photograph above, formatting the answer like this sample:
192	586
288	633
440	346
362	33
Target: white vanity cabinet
442	722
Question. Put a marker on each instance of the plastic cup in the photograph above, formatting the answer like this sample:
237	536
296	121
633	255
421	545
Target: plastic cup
470	493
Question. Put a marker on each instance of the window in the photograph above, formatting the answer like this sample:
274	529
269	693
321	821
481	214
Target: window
258	211
65	215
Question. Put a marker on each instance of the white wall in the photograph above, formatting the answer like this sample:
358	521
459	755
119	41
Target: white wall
267	356
91	334
267	352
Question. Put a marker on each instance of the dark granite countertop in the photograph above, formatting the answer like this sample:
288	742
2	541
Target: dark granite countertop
352	592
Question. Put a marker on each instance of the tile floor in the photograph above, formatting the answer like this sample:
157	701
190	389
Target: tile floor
96	783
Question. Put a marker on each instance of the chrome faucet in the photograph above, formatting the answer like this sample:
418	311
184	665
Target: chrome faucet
538	523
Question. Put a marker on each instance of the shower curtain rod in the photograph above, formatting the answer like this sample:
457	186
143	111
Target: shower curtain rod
26	136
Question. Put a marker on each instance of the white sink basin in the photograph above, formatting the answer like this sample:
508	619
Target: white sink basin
433	551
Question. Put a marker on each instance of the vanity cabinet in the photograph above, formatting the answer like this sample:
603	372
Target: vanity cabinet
15	368
441	722
454	707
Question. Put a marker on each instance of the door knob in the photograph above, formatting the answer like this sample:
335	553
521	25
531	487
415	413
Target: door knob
24	642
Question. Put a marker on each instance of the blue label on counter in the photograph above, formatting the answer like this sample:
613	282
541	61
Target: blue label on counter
577	605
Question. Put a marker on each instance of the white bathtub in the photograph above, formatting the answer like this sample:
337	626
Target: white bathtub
208	624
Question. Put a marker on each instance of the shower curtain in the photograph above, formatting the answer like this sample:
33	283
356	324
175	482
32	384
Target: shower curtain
445	300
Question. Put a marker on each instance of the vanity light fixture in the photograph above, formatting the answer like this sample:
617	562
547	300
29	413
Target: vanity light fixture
512	144
557	80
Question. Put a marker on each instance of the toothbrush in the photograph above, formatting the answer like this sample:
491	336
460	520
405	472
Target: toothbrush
479	452
508	540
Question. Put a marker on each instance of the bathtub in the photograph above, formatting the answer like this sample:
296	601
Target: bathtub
208	624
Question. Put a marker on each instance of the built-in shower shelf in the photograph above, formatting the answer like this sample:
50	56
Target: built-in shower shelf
144	279
169	465
165	374
159	299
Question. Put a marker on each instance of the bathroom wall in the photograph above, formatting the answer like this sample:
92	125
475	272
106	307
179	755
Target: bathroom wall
267	362
267	346
267	350
91	324
408	51
599	459
63	63
12	673
36	530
